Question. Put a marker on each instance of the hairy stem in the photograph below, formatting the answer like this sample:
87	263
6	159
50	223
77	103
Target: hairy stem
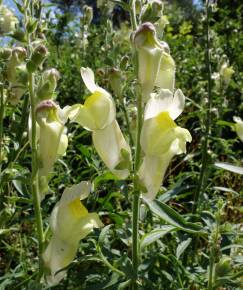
201	183
34	176
136	194
1	126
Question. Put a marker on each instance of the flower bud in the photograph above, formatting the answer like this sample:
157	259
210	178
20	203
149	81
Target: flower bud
161	24
19	54
226	73
7	20
223	267
5	53
88	14
115	81
51	129
37	58
152	11
238	127
149	57
48	84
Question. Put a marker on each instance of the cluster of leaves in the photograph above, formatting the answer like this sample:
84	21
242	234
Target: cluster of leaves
171	258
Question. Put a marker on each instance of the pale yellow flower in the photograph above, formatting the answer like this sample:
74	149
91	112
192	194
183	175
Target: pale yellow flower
161	139
70	222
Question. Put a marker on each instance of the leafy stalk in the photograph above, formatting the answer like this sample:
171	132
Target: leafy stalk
34	175
1	125
201	183
136	195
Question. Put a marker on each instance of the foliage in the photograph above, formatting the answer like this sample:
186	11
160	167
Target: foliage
180	248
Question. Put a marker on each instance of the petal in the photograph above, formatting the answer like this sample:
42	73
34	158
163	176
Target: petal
152	171
88	78
97	112
177	105
157	134
50	134
149	60
166	75
109	143
62	148
158	103
80	191
58	255
238	127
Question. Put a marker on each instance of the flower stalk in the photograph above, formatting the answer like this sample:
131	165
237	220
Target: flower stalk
34	176
1	126
136	194
201	183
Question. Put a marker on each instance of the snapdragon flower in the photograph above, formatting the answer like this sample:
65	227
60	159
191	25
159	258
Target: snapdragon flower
161	139
98	114
7	20
70	222
51	137
238	127
155	65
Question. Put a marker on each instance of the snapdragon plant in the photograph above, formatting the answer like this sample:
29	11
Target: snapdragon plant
136	153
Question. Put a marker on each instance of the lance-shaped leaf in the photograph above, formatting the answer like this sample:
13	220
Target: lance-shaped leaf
70	222
113	149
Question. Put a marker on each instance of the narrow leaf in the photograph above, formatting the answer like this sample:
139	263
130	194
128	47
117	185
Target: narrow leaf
182	247
172	217
155	234
229	167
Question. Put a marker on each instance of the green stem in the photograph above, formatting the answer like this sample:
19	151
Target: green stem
108	264
201	184
34	176
123	107
133	14
136	195
1	126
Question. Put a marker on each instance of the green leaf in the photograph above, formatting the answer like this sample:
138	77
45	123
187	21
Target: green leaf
229	167
182	247
103	235
155	234
172	217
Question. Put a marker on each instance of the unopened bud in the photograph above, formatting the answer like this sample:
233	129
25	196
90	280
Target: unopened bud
138	6
149	57
124	62
19	54
48	84
223	267
37	58
226	72
7	20
100	72
5	53
88	14
152	11
115	81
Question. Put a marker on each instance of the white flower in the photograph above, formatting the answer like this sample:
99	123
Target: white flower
7	20
161	139
70	222
98	114
239	127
